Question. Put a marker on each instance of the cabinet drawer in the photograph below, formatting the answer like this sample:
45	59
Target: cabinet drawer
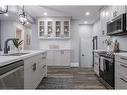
121	59
121	69
121	82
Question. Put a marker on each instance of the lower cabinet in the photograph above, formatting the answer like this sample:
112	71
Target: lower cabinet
35	69
96	63
120	72
58	58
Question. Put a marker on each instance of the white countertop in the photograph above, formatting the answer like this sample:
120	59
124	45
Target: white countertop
99	50
4	60
58	49
123	54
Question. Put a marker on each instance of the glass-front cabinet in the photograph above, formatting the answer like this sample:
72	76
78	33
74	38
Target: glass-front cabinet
41	28
54	28
58	28
50	28
66	28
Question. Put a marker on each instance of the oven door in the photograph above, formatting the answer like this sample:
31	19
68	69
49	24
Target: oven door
106	70
117	25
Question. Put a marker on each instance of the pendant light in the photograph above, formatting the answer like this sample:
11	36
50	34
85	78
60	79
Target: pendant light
23	17
3	9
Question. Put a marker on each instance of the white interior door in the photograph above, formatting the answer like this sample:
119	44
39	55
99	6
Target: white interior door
86	52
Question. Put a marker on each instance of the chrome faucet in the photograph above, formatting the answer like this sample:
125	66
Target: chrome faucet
6	48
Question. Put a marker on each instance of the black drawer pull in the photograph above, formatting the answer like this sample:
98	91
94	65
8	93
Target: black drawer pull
124	58
34	67
123	80
123	65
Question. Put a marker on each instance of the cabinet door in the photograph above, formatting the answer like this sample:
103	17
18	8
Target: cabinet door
96	63
57	58
103	23
65	58
116	11
120	75
50	58
28	80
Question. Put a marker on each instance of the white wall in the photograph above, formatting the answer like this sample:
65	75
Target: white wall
97	32
8	30
122	42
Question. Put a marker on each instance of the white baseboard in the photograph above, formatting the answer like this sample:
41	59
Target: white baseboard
75	64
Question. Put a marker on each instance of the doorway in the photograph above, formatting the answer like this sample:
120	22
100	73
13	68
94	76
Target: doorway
85	46
19	35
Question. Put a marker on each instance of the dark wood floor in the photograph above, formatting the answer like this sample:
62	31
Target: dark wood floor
70	78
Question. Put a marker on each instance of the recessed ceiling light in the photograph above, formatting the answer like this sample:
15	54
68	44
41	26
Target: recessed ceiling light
87	13
85	22
6	14
45	13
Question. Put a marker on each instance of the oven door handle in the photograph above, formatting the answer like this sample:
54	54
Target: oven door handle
109	59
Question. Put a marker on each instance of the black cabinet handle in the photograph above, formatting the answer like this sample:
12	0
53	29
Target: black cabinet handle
34	67
123	80
124	58
123	65
82	54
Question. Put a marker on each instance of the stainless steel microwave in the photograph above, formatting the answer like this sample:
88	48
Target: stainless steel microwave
117	26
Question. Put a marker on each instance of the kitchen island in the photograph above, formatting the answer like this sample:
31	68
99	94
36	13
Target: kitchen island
34	69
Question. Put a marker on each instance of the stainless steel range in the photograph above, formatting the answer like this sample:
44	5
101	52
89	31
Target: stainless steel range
106	69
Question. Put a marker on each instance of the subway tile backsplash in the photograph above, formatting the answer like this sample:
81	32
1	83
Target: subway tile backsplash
122	42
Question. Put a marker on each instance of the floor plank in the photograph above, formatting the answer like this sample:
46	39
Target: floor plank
70	78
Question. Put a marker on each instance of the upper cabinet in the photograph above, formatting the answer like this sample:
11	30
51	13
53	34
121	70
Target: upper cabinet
54	28
116	11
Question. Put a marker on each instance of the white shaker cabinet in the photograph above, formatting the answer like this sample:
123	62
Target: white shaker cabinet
104	17
116	11
120	72
58	58
96	63
34	70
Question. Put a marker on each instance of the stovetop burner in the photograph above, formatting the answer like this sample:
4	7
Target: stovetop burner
107	54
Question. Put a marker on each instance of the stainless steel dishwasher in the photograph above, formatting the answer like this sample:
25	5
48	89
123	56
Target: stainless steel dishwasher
12	76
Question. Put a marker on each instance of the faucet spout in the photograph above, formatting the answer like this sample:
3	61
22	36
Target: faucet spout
6	49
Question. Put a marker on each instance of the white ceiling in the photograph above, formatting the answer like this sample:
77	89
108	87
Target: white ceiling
76	12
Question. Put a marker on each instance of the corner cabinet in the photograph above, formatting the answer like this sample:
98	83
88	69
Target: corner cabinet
54	28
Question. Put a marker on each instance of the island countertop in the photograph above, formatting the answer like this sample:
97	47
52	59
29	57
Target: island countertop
4	60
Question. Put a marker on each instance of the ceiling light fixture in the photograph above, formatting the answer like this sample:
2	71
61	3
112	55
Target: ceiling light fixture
45	13
87	13
85	22
23	17
3	9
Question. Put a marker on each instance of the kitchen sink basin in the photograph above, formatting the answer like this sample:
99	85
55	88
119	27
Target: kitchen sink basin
15	54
